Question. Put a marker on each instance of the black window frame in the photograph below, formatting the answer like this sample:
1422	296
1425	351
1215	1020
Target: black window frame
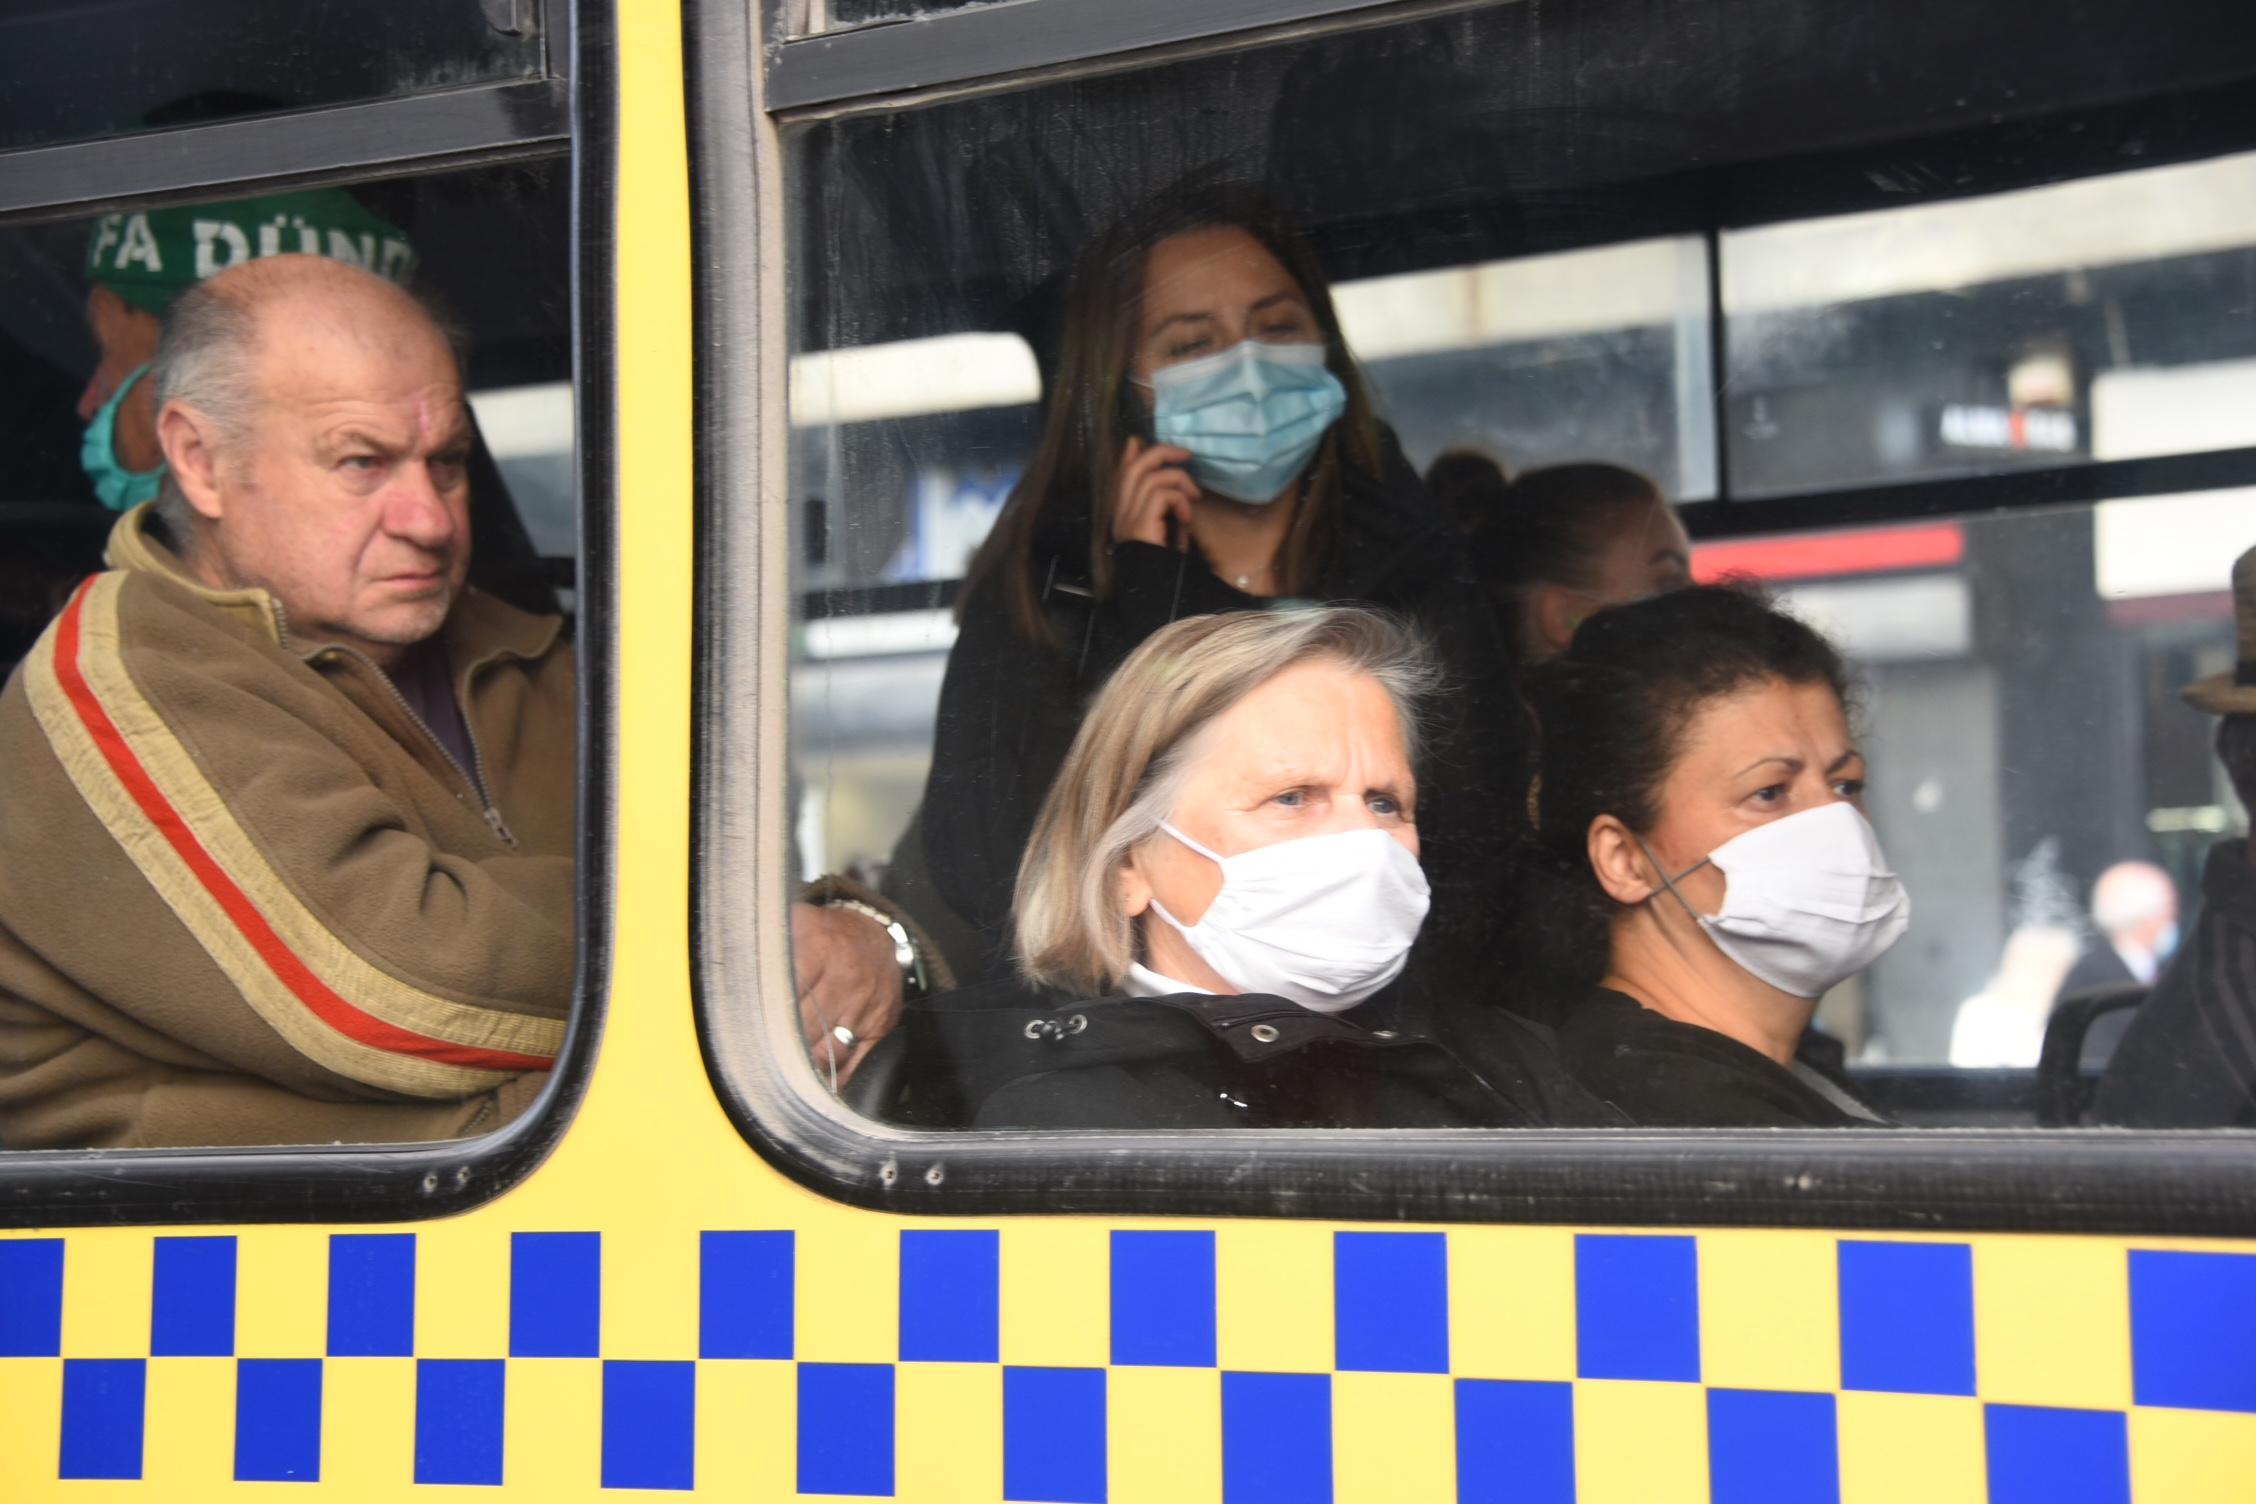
572	111
1959	1180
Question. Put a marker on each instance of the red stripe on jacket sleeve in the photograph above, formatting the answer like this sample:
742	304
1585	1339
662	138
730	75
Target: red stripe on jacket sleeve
285	963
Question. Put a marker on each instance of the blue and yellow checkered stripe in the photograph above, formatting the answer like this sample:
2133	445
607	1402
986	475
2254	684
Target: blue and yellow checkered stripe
1072	1362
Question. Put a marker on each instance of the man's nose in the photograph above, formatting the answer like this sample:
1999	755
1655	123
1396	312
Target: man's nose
420	512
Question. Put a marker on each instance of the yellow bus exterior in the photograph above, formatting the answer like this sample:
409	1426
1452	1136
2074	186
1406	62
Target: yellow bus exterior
656	1307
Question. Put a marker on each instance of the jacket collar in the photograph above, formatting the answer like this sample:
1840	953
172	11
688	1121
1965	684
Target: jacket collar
479	626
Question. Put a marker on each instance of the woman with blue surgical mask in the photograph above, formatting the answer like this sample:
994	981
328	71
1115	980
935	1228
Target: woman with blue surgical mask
1208	446
1704	870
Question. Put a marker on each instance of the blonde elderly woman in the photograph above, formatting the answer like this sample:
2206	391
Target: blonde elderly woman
1221	886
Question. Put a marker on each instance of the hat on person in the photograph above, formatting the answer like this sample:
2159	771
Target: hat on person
152	256
2234	692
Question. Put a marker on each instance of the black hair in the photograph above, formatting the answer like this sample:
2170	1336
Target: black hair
1611	713
1471	486
1554	522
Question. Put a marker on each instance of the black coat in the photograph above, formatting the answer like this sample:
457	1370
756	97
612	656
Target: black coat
2188	1059
1664	1074
1004	1056
1009	708
2098	966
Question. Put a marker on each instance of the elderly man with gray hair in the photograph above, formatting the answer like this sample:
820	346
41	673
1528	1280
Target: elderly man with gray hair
286	846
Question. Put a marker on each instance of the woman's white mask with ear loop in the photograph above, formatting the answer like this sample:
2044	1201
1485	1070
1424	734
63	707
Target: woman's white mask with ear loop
1808	900
1325	920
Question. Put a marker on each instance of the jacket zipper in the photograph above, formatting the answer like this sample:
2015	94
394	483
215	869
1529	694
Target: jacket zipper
474	776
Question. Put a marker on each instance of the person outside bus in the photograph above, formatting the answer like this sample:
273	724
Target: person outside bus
1704	868
1208	447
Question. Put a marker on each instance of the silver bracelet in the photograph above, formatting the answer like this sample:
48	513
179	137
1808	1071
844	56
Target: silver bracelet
904	944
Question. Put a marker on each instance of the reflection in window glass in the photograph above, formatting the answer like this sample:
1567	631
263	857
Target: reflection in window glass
401	720
71	72
1986	334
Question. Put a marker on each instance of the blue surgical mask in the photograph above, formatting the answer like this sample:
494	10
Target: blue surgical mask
116	487
1250	416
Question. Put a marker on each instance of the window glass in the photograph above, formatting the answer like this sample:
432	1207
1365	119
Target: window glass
415	676
1093	383
73	72
2018	329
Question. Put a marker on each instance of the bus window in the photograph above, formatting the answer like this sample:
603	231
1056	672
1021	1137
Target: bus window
192	64
1084	369
406	976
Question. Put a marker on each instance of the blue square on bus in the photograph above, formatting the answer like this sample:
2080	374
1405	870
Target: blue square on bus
372	1295
555	1294
2046	1456
649	1424
846	1429
1276	1438
1637	1307
459	1406
104	1403
192	1298
1163	1299
745	1294
1772	1447
1515	1442
1054	1435
1390	1301
2193	1330
951	1296
278	1420
1907	1317
31	1298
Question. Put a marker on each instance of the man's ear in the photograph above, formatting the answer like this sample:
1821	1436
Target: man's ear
186	436
1621	866
1558	611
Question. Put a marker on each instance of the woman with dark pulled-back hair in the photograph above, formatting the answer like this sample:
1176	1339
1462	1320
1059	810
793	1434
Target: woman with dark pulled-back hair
1208	446
1704	868
1563	542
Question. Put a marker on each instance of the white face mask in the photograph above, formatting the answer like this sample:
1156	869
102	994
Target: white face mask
1325	920
1808	901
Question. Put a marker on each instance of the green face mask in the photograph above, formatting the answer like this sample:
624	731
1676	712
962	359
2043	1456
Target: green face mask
116	487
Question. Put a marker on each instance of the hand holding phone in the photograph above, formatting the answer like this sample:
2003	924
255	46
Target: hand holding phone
1152	496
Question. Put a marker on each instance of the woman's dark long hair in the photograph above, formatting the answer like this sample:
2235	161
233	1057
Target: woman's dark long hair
1611	714
1092	410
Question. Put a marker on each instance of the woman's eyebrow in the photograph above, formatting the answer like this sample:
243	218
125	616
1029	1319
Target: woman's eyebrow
1198	317
1838	763
1283	295
1792	764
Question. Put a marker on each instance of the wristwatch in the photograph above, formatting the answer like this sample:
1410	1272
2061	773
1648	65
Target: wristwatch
905	956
